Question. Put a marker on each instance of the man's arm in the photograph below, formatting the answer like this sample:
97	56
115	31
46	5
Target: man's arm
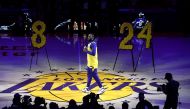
93	47
165	88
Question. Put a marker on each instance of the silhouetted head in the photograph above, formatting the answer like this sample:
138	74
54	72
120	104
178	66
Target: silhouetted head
125	105
39	101
17	98
53	105
168	76
17	95
72	103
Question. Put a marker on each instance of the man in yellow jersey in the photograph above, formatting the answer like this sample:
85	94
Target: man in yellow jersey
92	64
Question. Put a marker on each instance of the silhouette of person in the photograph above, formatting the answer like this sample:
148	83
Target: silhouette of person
86	103
16	101
143	104
171	91
53	105
72	104
94	101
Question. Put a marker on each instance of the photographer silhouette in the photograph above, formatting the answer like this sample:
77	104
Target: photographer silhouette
171	91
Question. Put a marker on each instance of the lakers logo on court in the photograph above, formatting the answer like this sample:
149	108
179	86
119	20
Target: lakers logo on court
63	86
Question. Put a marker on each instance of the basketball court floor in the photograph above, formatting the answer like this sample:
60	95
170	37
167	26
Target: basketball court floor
57	70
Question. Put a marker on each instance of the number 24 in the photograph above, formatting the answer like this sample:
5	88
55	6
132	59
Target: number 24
123	44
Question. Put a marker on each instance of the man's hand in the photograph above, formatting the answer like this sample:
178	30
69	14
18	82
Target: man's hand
85	49
91	68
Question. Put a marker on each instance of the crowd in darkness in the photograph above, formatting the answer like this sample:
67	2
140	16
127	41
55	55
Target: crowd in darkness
106	12
90	101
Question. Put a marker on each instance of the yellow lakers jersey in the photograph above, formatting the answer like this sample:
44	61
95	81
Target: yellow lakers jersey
92	61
